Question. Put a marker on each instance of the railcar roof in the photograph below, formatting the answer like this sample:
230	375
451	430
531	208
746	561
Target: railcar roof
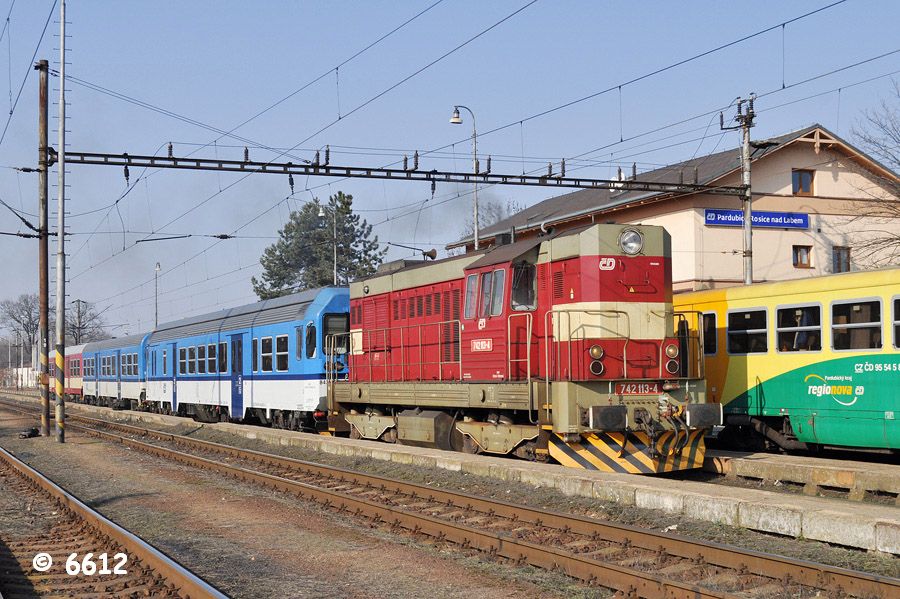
279	309
129	341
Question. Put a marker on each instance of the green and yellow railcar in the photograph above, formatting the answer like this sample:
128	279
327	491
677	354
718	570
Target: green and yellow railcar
805	363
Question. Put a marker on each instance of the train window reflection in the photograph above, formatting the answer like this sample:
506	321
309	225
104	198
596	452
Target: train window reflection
856	325
266	353
471	288
281	353
799	328
747	332
497	298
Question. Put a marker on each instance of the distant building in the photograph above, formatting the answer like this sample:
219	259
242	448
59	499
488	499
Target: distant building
817	203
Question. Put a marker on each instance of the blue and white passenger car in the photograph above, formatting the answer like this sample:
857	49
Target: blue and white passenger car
114	371
264	361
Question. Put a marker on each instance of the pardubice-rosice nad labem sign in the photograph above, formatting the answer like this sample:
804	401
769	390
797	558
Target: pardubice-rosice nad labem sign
735	218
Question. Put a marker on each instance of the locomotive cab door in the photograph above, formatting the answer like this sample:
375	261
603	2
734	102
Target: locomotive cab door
237	376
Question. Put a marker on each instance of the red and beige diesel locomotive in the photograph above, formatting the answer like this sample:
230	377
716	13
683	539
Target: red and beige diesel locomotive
563	346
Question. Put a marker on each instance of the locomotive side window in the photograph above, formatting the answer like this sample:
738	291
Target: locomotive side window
799	328
747	332
524	288
254	350
281	353
486	288
856	325
310	340
338	326
710	334
266	353
471	289
497	297
897	322
201	359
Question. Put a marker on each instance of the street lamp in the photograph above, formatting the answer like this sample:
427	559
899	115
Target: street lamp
334	236
457	120
156	296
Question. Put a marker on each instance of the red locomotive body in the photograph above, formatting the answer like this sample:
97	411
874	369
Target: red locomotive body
561	346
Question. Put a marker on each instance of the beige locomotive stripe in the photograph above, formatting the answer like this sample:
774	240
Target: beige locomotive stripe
632	320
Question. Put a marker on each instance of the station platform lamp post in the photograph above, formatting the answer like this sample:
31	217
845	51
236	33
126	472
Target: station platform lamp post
456	119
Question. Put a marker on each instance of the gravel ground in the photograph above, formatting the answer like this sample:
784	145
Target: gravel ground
251	542
876	563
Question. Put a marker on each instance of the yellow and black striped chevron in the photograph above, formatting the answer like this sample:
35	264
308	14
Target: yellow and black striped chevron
630	452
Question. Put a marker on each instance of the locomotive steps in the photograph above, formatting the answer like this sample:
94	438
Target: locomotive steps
852	524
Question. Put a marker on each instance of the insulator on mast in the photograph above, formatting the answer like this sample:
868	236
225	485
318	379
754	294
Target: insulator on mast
405	162
562	167
549	169
316	160
291	181
327	155
416	160
634	170
246	154
127	174
171	155
488	171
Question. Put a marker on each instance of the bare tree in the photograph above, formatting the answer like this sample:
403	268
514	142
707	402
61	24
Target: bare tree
878	134
22	316
490	211
84	324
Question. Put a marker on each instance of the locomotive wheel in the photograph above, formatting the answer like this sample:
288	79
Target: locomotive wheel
354	433
470	446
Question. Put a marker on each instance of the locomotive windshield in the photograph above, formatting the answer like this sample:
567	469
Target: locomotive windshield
524	287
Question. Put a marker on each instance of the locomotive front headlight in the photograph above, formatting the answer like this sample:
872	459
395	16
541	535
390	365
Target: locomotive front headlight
597	368
596	352
631	241
671	366
672	351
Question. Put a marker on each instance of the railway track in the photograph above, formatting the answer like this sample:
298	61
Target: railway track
45	527
636	562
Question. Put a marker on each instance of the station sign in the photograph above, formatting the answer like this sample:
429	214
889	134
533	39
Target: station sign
735	218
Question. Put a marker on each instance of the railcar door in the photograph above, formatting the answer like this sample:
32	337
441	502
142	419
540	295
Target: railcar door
174	363
118	370
237	376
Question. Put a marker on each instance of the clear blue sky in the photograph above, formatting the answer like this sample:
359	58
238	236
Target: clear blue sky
221	62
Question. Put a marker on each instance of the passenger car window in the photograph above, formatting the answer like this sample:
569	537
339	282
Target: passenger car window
710	334
747	332
310	340
799	328
856	325
223	358
211	357
201	359
254	350
266	353
281	353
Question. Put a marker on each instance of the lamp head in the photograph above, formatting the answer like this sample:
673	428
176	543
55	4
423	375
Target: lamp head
321	212
157	269
456	119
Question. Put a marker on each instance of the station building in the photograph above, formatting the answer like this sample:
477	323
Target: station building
819	206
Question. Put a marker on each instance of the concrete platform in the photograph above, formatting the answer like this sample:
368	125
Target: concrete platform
815	474
837	521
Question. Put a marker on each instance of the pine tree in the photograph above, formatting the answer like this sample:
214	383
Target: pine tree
303	258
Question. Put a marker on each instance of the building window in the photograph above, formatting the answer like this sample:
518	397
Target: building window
710	339
281	353
856	325
840	259
802	256
799	328
747	332
266	353
802	182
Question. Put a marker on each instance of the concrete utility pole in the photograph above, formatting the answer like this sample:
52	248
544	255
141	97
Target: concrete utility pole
61	237
745	121
44	229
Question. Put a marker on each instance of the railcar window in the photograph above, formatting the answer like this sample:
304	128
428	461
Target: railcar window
747	332
897	322
499	288
799	328
281	353
266	353
337	326
856	325
484	308
299	339
310	340
192	360
710	334
471	288
165	362
524	288
182	361
254	347
211	357
223	357
201	359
